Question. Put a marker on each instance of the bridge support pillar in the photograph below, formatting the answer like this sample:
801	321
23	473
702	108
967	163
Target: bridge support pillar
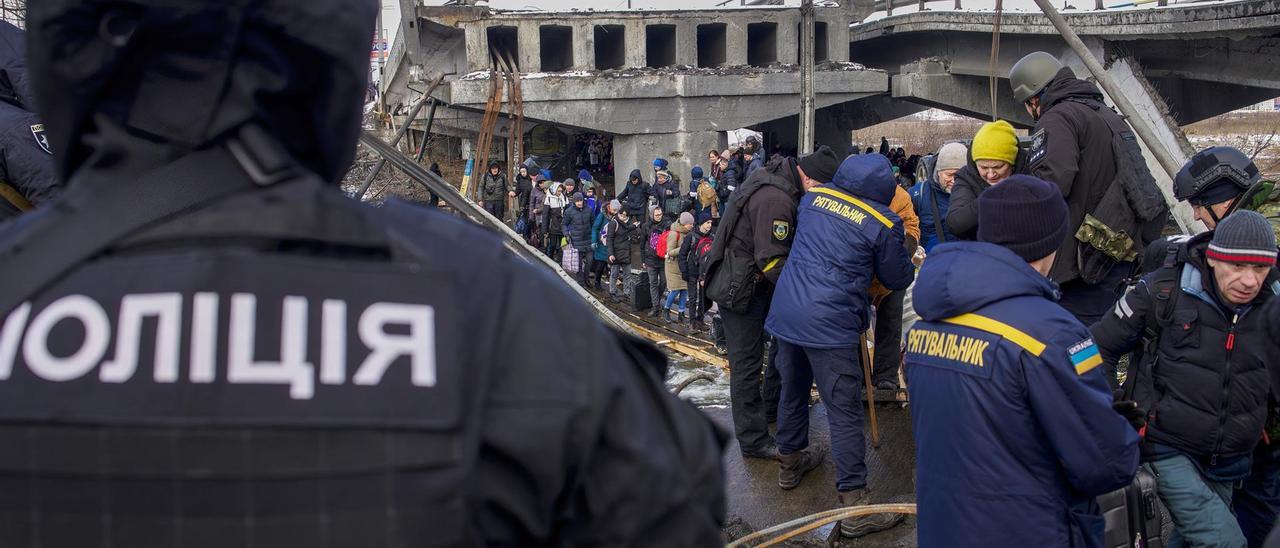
929	82
1151	107
683	150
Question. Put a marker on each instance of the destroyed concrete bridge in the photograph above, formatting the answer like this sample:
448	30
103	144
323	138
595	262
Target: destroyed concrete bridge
671	83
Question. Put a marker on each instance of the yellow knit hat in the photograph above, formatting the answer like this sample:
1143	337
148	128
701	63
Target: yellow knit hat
996	141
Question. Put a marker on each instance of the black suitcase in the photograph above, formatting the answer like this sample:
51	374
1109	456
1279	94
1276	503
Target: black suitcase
637	291
1133	515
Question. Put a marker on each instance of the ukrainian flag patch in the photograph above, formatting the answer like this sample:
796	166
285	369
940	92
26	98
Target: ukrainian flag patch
1084	356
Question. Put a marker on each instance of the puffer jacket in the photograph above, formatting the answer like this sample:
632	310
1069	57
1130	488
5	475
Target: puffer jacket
962	211
846	236
623	239
650	229
577	226
1207	393
1012	417
599	237
927	196
669	197
493	187
635	196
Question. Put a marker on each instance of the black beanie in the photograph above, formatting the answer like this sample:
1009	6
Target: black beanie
1024	214
821	165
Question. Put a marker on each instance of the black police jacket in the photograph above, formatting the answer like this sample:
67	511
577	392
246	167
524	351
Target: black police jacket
1207	384
1072	147
280	365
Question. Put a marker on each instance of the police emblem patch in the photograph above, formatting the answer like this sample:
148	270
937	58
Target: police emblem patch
1039	145
781	229
37	131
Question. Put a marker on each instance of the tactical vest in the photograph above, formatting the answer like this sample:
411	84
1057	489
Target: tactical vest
1131	207
299	386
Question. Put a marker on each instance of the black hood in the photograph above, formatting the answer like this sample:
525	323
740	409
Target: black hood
1065	85
183	74
14	87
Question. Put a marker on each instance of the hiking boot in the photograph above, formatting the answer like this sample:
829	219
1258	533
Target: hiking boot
666	315
680	318
792	467
864	525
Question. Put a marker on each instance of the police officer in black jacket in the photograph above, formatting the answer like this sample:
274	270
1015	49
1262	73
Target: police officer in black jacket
235	354
745	262
1072	146
27	176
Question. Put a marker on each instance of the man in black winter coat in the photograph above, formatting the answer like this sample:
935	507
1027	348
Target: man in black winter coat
1205	376
577	228
198	359
1071	146
26	158
635	196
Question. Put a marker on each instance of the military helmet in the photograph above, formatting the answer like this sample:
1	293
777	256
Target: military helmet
1211	165
1032	73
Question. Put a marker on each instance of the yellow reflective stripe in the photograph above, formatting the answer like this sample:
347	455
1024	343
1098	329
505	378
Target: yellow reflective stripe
1010	333
771	264
861	204
1089	364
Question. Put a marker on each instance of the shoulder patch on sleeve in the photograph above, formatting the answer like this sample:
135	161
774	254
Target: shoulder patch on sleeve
781	229
1084	356
1039	146
37	131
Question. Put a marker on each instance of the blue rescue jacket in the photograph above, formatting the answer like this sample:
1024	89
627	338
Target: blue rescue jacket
845	237
926	196
1012	417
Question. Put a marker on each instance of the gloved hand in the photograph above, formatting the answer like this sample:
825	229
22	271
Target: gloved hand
1129	409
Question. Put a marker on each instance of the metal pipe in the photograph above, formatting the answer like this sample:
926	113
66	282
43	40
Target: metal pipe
377	168
806	76
1140	125
469	209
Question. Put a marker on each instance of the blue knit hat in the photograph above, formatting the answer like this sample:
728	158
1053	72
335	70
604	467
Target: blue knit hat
546	174
1024	214
660	163
696	172
584	175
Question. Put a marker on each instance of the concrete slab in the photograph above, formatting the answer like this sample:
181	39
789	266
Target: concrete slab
756	502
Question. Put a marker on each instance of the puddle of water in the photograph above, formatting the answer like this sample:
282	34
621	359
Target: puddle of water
701	393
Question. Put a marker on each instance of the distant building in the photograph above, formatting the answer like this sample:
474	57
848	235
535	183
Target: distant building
1265	106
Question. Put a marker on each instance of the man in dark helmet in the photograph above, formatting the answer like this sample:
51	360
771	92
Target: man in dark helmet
1219	180
206	344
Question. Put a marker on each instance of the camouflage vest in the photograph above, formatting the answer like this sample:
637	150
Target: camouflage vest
1264	198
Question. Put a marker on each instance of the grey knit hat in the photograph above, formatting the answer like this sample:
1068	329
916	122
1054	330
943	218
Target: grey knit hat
951	156
686	218
1243	237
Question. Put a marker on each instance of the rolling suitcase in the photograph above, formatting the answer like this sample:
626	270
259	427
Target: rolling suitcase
1133	514
637	291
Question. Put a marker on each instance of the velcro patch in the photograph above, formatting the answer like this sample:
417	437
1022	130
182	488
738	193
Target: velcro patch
781	229
1039	146
1084	356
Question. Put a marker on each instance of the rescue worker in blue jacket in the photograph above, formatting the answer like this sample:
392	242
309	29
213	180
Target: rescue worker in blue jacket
846	236
220	348
1012	417
27	176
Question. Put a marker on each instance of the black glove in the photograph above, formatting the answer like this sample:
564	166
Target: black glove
1129	409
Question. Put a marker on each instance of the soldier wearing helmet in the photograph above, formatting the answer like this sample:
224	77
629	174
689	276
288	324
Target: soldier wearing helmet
1088	151
1220	180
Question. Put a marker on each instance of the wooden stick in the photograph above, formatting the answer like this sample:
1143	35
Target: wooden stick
871	392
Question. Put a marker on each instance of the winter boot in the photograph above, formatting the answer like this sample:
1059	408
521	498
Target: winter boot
792	467
863	525
680	319
666	315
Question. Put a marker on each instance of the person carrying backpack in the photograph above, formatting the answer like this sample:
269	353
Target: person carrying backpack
1203	380
692	250
677	289
654	261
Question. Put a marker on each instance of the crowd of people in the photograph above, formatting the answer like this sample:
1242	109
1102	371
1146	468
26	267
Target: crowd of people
1041	267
